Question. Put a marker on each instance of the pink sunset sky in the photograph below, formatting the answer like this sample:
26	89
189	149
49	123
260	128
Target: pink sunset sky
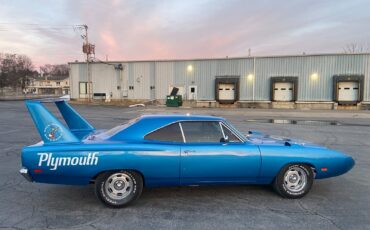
171	29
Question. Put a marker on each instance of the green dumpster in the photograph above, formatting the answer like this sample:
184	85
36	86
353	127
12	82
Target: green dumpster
174	101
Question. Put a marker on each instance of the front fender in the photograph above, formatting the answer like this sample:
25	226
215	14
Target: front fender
328	163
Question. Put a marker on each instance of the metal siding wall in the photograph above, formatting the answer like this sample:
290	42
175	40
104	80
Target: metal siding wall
125	80
320	89
272	67
73	79
326	67
162	74
183	77
205	71
139	77
242	68
152	80
204	78
81	78
82	73
117	81
303	67
104	79
367	79
130	78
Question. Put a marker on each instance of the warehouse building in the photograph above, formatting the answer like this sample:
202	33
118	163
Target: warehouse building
321	81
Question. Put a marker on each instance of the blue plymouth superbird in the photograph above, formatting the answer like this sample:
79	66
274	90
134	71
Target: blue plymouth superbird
169	150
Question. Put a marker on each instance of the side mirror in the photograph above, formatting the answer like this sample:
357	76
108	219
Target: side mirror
225	139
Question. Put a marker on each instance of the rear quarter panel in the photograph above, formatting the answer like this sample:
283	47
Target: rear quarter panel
157	163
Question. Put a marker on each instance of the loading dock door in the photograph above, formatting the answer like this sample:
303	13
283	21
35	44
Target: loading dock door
348	91
226	91
283	91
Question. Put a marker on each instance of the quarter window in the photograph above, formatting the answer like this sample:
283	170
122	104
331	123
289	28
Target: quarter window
170	133
228	133
202	131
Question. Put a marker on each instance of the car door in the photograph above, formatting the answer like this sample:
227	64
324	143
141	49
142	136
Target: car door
162	160
207	158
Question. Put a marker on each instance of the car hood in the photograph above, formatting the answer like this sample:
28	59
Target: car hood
259	138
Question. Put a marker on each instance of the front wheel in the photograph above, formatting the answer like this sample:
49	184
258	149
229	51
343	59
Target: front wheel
118	189
294	181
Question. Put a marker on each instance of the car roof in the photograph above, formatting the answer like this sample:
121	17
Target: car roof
148	123
181	117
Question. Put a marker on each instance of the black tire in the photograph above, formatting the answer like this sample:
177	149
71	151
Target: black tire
118	189
294	173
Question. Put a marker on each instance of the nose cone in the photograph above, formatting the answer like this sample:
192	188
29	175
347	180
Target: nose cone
336	164
344	164
348	163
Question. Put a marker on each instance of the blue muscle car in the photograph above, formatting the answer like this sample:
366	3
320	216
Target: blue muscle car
169	150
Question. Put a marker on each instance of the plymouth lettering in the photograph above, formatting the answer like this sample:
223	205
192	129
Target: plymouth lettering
47	159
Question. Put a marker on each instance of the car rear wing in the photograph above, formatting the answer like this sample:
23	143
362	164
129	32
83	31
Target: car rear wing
51	129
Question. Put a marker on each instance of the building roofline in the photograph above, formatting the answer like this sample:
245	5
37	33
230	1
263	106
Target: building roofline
223	58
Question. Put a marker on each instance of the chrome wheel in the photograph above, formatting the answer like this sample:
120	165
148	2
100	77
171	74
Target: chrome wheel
118	186
295	179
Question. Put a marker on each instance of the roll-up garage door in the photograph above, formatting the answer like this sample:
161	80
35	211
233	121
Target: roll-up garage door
283	91
226	91
348	91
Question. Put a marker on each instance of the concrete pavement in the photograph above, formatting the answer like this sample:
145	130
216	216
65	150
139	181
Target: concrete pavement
336	203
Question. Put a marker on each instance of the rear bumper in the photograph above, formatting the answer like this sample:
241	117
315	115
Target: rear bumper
25	174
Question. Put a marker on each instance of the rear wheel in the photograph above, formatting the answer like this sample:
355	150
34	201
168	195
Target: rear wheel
118	189
294	181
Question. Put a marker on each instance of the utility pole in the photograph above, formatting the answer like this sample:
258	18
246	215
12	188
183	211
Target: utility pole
89	83
88	49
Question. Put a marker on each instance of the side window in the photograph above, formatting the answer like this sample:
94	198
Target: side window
202	131
169	133
227	132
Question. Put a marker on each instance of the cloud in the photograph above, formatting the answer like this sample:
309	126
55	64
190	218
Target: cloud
109	40
165	29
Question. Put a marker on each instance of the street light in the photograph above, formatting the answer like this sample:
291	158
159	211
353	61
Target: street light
190	68
314	77
250	77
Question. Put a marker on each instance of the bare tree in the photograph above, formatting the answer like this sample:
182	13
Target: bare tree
15	70
55	70
356	48
24	70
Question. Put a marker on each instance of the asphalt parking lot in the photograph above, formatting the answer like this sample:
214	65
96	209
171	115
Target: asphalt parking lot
336	203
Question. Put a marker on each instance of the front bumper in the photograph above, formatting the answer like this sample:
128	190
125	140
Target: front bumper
25	174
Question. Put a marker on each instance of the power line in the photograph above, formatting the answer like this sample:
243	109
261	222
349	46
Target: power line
32	24
9	26
60	31
34	29
37	28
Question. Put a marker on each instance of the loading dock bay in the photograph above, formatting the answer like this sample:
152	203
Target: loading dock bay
348	89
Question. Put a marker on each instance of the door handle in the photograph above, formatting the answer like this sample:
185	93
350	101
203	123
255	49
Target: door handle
186	152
